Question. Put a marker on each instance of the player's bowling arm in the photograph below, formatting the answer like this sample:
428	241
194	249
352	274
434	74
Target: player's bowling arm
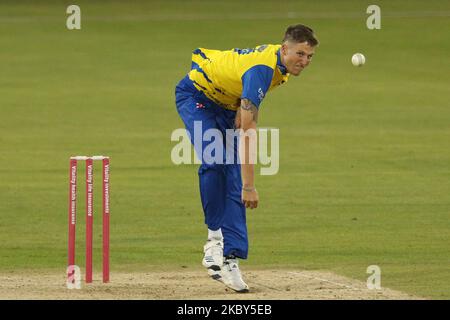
249	117
249	114
247	152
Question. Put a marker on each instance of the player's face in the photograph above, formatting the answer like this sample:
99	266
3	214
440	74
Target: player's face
296	56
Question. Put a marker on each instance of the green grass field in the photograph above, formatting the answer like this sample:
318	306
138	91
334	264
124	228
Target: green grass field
364	152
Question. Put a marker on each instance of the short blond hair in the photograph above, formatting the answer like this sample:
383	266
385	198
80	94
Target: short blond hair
300	33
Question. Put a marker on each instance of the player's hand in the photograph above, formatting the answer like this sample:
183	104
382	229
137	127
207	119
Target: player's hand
250	198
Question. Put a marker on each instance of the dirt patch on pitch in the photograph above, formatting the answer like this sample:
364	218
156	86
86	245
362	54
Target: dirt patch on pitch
264	284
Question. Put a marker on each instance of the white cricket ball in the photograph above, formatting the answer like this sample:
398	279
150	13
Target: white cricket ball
358	59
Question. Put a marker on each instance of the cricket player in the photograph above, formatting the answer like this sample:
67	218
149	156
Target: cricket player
224	90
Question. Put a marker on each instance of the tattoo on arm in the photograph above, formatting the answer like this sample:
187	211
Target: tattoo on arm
249	106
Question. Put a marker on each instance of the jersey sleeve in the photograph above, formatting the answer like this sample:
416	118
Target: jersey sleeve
255	83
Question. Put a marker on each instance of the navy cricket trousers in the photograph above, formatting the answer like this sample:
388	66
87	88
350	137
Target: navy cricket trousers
220	182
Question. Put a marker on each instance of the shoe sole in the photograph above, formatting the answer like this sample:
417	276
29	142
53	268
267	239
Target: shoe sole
214	267
236	290
214	272
242	291
216	277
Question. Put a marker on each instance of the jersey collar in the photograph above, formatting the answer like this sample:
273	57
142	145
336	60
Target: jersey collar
280	65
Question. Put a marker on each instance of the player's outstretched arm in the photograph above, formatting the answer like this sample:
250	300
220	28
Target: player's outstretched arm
248	115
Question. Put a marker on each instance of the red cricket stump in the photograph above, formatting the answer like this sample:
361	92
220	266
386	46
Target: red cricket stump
106	220
89	217
72	212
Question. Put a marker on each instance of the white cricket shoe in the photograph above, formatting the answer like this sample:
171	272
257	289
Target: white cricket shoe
213	258
231	275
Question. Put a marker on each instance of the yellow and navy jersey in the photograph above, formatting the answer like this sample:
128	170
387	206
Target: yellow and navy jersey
226	77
